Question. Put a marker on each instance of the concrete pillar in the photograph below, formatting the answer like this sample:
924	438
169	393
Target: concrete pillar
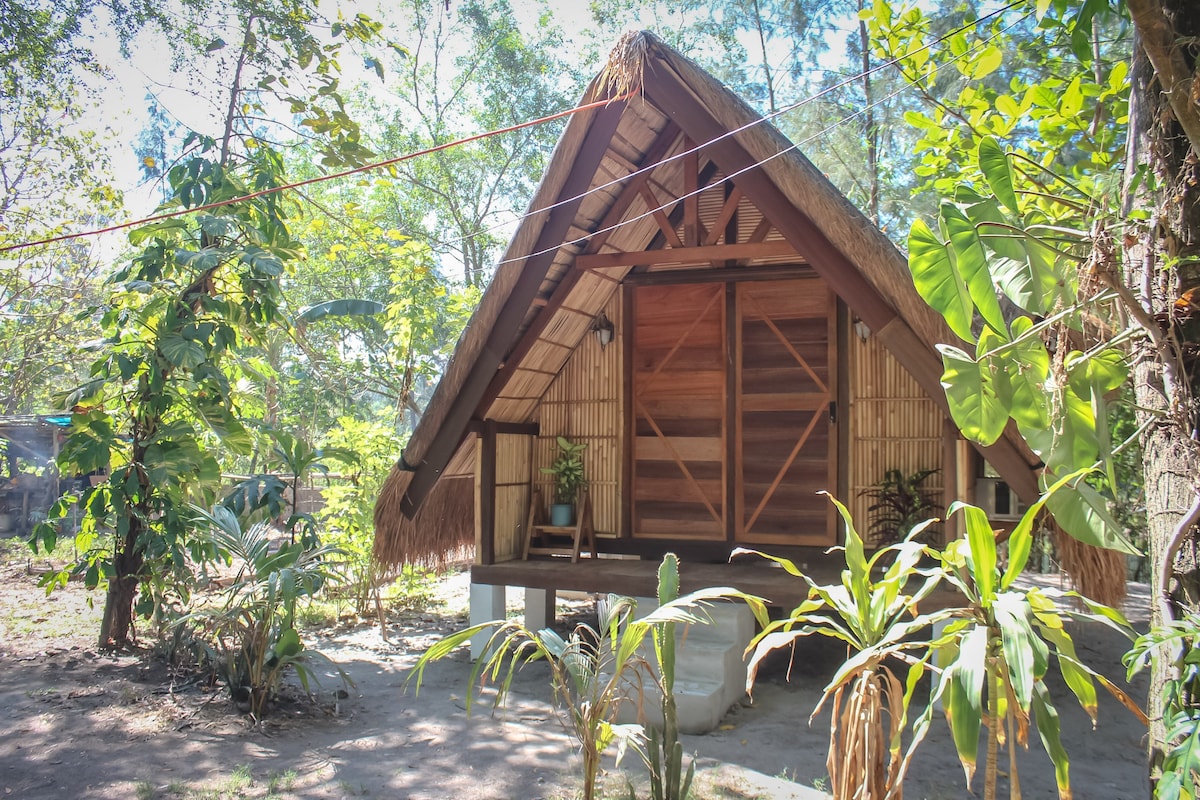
487	604
539	608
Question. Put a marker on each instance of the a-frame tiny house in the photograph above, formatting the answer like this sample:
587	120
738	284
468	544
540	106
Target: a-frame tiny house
768	343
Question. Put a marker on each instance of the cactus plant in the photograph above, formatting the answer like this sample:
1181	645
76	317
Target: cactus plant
664	753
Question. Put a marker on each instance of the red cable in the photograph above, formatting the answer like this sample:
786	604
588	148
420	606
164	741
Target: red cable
318	179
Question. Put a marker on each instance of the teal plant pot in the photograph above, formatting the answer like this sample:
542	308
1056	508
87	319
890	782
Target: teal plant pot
562	515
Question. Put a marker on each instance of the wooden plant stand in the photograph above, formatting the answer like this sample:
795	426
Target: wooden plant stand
559	540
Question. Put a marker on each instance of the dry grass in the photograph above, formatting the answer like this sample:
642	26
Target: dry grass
622	75
1098	574
439	532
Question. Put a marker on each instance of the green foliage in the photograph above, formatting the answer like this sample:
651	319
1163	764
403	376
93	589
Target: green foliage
1178	643
347	520
160	403
872	610
55	176
1026	211
371	366
475	69
995	654
989	659
567	470
900	503
594	671
252	632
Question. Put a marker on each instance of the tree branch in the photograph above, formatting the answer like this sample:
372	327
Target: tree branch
1167	566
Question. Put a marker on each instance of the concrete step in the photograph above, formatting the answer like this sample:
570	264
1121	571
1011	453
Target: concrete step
710	674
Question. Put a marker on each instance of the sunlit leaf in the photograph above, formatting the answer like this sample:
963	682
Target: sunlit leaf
971	262
976	406
938	281
993	163
1028	364
1083	513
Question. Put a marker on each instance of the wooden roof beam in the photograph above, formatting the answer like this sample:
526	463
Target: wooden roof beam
673	255
664	89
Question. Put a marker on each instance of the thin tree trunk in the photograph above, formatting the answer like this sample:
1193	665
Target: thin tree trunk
870	129
1160	263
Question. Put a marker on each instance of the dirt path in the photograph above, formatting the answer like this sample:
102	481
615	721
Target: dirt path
77	724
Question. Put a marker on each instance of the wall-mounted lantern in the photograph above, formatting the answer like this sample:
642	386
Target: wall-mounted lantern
603	328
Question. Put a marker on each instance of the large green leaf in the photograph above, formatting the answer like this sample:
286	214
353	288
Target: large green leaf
970	259
1045	719
202	260
344	307
975	404
262	261
182	352
995	229
981	552
1031	281
993	163
169	460
1083	513
938	281
1101	373
1075	443
1077	676
963	697
1024	652
1028	367
1094	377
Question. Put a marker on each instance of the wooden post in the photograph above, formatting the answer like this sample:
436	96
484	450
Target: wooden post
487	493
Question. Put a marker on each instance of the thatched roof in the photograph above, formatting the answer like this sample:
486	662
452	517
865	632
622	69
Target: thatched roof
539	304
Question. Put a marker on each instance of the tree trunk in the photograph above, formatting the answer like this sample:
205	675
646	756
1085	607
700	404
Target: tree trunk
1161	258
870	129
117	625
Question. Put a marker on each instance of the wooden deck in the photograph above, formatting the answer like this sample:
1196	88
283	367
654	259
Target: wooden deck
639	578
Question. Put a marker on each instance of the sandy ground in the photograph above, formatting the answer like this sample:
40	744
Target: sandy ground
79	724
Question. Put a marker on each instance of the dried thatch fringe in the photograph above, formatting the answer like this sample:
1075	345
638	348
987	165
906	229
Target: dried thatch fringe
442	528
626	66
387	505
1097	573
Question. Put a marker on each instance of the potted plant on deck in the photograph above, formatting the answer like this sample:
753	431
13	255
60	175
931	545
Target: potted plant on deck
567	470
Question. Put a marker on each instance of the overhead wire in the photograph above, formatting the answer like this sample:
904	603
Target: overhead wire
792	147
540	121
695	149
309	181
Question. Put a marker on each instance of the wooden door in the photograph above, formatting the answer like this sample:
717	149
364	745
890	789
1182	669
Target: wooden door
678	411
785	384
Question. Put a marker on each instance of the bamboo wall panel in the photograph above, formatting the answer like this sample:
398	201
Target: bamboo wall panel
893	425
513	458
584	405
